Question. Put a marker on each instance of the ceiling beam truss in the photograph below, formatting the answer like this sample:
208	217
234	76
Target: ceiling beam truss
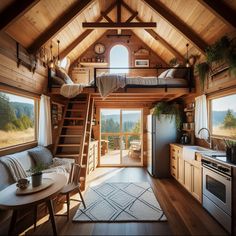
14	11
156	36
85	34
59	25
221	10
178	24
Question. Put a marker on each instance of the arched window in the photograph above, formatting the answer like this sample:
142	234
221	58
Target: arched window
119	57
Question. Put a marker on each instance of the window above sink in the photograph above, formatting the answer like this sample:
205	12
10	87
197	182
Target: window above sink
223	116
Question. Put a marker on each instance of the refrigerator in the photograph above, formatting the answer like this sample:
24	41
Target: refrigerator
160	133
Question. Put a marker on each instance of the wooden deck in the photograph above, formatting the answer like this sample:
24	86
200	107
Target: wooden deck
185	215
113	158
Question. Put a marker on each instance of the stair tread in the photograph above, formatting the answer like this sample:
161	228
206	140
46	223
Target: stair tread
70	144
74	118
72	126
71	135
83	102
67	154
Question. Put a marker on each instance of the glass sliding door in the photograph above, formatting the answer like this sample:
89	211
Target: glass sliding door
121	137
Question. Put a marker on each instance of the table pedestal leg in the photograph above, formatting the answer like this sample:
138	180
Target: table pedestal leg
51	214
13	222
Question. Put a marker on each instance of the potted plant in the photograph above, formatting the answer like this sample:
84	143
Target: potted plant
36	175
230	150
219	56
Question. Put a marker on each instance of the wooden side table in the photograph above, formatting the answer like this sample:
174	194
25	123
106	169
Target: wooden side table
9	199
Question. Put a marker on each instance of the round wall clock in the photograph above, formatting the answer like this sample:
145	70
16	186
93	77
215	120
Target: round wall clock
99	48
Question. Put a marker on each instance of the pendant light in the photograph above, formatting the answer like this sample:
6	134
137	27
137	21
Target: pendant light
58	52
51	63
187	59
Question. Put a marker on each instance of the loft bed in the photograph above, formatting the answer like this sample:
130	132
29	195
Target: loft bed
138	79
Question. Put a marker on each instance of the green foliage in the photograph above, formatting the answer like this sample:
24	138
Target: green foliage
37	169
15	115
171	110
218	51
6	111
229	120
203	70
173	61
222	50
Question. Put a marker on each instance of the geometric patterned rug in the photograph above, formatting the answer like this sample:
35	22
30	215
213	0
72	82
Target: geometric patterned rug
120	202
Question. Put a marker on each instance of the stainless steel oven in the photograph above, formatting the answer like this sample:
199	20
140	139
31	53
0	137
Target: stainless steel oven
217	191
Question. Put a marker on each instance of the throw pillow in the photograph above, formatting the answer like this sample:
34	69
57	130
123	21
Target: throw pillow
163	74
62	74
41	156
177	73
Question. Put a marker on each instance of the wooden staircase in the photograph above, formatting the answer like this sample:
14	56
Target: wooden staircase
75	132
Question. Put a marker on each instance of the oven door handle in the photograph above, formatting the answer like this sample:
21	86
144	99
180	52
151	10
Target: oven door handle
218	172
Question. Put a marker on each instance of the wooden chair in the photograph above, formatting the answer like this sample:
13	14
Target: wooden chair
72	185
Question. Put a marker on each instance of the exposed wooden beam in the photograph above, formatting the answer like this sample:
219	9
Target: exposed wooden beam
106	17
59	25
78	40
178	24
221	10
135	14
156	36
15	11
121	25
118	3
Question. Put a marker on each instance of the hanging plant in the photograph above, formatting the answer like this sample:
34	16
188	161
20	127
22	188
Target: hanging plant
203	70
223	50
218	51
171	110
173	61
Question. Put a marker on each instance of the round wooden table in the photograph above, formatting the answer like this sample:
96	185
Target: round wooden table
9	199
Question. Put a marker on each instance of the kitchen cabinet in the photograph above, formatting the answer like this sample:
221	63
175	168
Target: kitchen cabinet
177	165
187	176
188	173
196	184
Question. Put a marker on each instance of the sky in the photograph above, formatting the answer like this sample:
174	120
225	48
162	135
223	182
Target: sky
224	103
15	98
119	57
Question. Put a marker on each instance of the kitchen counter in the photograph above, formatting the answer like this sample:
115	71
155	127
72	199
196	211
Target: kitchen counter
209	153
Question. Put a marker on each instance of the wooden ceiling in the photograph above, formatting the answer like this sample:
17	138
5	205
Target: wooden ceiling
197	22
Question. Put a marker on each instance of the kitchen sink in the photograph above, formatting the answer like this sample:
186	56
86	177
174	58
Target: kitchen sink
190	151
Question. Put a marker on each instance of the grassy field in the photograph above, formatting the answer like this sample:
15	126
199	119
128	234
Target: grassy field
16	137
219	130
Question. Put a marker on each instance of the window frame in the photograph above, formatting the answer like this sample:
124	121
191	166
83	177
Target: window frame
30	144
211	97
129	57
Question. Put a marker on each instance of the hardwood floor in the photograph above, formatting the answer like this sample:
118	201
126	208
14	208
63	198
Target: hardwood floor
185	215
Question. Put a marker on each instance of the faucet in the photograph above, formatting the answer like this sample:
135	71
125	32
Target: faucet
209	136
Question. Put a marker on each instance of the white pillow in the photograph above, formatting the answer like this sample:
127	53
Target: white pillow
163	74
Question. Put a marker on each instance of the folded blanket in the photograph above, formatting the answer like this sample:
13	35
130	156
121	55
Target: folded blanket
71	90
14	166
109	83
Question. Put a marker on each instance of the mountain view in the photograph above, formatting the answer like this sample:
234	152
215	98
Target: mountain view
17	120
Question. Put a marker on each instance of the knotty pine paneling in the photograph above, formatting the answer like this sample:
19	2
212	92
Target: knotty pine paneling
19	77
132	44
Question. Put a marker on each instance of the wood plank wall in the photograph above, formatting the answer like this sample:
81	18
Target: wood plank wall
19	77
132	44
220	84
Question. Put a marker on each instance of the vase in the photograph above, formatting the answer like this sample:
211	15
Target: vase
36	179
